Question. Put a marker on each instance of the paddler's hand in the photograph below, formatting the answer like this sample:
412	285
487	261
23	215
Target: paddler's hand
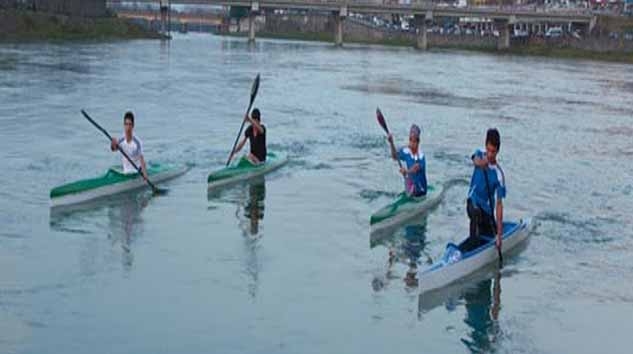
403	171
415	168
481	162
114	144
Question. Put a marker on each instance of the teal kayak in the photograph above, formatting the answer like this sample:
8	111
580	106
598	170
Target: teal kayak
114	181
455	266
243	170
404	208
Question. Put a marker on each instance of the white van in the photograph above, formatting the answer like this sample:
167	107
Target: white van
554	32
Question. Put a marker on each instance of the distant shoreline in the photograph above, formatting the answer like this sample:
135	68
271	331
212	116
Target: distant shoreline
26	25
534	50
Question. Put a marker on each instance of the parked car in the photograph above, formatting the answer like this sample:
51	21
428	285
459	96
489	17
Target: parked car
520	33
554	32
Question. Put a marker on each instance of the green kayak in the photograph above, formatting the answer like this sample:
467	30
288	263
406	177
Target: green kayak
114	181
404	208
243	170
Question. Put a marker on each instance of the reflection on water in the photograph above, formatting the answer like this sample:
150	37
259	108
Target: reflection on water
124	223
482	315
254	208
405	246
481	296
249	214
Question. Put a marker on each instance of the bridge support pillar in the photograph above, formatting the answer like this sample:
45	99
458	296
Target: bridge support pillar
251	27
503	26
339	17
251	21
165	18
421	23
592	24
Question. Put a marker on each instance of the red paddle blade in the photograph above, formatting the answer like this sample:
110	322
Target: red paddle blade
381	120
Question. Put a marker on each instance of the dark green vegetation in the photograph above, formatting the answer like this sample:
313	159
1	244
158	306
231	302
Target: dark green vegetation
21	25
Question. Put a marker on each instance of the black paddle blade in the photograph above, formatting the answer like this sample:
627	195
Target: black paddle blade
500	259
254	89
159	191
381	120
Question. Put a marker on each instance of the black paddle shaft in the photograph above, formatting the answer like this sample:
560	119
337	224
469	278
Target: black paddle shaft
492	214
105	132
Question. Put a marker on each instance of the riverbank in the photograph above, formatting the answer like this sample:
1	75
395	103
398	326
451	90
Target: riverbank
534	50
319	37
610	40
23	25
571	53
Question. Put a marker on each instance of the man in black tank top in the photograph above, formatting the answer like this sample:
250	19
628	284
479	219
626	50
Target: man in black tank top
256	135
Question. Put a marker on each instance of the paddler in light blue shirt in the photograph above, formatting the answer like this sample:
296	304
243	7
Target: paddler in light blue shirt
487	188
414	170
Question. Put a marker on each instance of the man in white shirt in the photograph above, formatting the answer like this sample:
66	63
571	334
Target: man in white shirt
131	145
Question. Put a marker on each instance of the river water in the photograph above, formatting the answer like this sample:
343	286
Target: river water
285	264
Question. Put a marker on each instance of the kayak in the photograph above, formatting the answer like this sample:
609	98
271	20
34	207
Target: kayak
404	208
454	266
243	170
114	181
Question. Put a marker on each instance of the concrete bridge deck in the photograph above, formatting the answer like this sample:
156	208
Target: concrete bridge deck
422	8
424	13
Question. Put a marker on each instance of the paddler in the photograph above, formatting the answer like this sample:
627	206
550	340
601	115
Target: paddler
487	188
256	135
414	170
131	145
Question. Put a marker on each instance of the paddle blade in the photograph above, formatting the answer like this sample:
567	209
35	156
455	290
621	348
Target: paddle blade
381	120
500	258
159	191
254	89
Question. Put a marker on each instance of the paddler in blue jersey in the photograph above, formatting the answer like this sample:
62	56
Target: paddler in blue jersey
486	193
414	169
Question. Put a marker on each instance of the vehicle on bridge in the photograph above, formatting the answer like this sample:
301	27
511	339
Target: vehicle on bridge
554	32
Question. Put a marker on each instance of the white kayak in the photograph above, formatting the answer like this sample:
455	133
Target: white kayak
454	266
114	181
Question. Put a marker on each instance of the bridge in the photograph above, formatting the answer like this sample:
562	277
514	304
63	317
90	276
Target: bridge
423	12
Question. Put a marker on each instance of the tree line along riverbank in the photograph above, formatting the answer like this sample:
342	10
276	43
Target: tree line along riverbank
25	24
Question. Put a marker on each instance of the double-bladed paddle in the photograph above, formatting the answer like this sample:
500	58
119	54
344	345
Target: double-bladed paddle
156	190
254	90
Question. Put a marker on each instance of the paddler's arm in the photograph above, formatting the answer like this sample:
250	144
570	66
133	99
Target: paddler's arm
143	168
114	144
238	147
499	212
255	124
